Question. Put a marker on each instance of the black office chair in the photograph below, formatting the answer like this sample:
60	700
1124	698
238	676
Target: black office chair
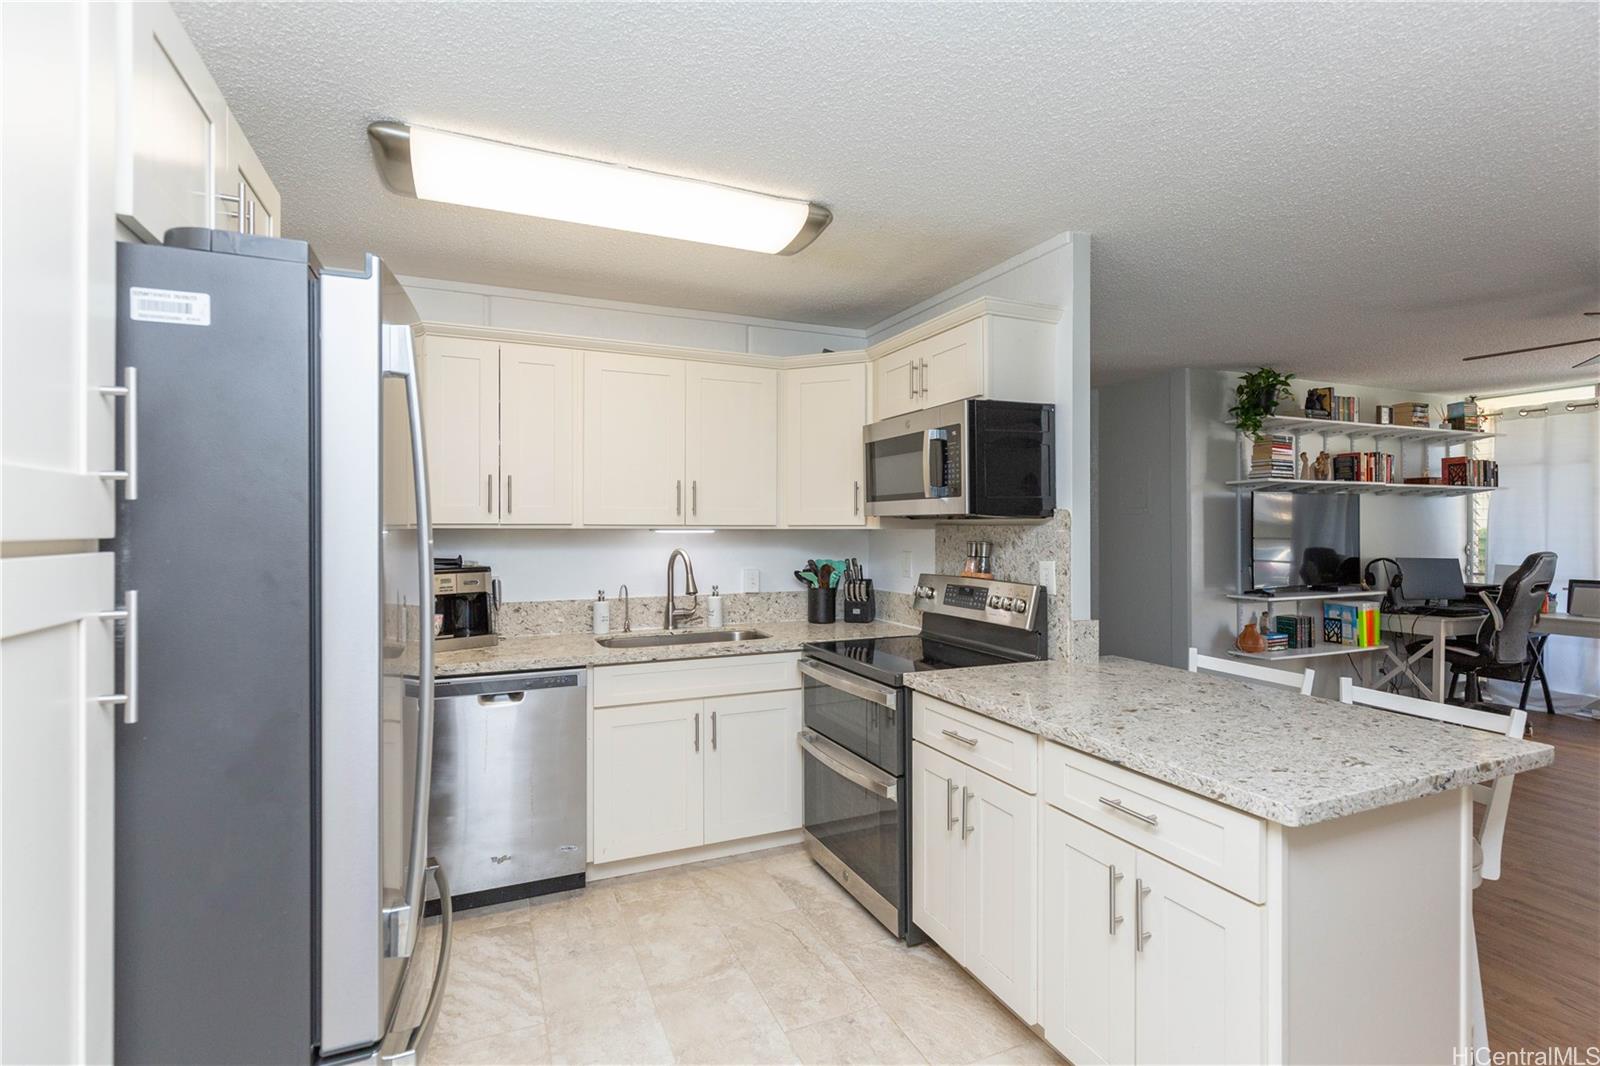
1502	647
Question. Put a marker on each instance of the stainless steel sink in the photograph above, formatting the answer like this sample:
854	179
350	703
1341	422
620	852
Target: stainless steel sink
663	639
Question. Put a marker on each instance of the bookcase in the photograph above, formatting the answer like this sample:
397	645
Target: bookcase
1415	450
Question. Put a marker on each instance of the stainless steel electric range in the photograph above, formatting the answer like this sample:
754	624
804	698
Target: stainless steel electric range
857	735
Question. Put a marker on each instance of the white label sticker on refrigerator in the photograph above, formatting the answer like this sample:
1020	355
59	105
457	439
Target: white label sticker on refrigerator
166	305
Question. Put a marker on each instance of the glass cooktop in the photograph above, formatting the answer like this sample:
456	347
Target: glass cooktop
887	659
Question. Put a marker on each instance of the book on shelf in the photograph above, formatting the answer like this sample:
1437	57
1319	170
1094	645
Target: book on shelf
1296	629
1463	414
1272	457
1460	470
1363	466
1352	624
1412	414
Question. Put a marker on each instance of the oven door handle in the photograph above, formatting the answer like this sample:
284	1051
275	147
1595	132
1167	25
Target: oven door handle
848	765
833	677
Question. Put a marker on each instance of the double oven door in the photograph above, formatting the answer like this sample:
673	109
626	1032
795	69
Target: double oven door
856	810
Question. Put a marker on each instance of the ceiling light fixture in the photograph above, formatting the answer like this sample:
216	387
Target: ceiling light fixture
453	168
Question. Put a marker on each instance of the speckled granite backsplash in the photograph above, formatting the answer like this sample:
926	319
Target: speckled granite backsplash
1017	551
526	618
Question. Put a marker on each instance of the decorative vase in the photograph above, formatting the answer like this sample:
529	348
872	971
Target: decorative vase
1250	639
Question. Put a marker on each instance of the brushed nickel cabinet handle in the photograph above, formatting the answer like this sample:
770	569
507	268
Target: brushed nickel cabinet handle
1141	934
966	827
128	698
858	498
694	496
1117	805
488	493
1112	877
678	507
508	494
970	742
713	730
697	731
129	392
950	789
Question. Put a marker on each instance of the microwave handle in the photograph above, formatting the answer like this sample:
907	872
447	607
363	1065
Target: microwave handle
937	440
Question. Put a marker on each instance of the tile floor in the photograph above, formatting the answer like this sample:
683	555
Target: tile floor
759	958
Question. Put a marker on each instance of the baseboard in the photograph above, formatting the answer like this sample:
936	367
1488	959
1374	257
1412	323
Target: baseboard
645	863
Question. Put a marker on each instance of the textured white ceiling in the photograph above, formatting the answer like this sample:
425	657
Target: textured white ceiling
1359	192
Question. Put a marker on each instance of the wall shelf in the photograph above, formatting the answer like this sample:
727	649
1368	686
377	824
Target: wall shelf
1316	651
1365	488
1331	427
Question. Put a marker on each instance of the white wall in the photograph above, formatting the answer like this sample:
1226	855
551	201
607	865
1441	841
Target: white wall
572	564
576	316
1055	274
896	556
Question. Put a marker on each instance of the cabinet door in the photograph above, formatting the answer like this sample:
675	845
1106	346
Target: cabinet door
538	399
752	765
57	320
1199	975
170	124
731	446
895	384
648	779
824	408
1086	914
1000	938
950	365
57	761
460	386
247	200
938	881
633	408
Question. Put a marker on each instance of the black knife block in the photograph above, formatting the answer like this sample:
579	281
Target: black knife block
862	610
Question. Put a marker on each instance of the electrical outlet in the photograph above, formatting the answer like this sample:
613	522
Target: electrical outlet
1047	575
905	564
749	579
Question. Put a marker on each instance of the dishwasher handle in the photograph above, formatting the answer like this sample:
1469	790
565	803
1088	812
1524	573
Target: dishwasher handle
501	697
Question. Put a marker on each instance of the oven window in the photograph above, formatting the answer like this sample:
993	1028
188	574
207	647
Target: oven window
894	468
859	826
868	729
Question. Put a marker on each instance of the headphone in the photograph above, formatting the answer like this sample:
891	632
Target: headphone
1391	587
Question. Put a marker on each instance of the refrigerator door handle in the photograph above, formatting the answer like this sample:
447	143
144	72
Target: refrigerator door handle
416	1045
402	922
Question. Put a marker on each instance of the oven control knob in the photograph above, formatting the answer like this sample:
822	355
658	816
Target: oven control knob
994	601
1006	602
1020	605
925	592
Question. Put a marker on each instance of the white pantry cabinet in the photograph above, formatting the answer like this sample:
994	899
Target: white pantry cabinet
1144	961
974	874
824	410
501	440
633	440
699	763
58	322
731	445
57	768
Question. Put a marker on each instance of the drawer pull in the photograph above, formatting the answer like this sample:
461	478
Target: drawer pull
1116	805
970	742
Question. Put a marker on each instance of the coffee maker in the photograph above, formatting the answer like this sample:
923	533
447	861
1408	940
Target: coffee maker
464	599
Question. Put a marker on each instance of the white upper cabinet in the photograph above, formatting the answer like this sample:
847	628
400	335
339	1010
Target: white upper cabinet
58	322
731	435
895	389
633	440
997	350
824	409
538	407
248	201
951	365
461	418
171	124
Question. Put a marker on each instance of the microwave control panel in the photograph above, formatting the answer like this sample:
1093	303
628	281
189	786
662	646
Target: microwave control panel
947	479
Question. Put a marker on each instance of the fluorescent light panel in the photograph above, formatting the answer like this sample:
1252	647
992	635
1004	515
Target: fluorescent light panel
453	168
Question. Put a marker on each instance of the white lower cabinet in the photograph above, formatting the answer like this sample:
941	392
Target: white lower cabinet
690	771
975	874
1144	962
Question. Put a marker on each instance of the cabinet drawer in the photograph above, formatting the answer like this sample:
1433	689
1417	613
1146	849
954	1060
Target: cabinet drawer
999	750
694	678
1222	845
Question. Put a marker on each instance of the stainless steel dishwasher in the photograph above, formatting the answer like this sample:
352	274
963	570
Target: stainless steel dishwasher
510	783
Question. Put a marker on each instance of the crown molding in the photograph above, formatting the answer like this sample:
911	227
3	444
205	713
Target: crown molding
983	305
504	335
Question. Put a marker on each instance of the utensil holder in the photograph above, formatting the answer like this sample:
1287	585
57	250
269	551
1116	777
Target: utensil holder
820	606
864	609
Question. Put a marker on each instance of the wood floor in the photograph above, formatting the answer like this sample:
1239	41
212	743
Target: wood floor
1539	925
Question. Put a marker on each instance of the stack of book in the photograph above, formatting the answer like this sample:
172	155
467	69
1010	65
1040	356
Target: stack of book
1459	470
1323	403
1351	623
1363	466
1277	641
1298	629
1464	415
1272	456
1411	414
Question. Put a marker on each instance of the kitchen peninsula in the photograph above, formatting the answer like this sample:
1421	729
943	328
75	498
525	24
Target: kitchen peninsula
1161	866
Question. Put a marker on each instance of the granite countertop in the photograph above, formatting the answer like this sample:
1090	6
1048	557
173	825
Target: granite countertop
549	651
1292	759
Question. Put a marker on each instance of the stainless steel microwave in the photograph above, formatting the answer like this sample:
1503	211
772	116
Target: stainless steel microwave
968	459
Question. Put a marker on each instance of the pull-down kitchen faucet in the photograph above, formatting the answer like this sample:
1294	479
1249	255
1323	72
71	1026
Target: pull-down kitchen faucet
676	614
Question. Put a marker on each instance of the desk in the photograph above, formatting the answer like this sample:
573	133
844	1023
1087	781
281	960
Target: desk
1439	628
1567	625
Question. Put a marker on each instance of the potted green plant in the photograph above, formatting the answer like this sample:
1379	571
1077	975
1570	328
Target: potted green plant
1255	397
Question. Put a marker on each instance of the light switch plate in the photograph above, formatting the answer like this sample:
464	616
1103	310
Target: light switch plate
1047	575
749	579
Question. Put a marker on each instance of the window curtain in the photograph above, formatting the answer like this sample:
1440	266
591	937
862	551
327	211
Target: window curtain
1547	501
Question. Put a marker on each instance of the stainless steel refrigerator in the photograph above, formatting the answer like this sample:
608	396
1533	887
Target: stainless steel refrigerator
273	768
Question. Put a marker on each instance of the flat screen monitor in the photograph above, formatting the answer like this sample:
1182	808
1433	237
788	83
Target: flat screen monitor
1431	580
1299	540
